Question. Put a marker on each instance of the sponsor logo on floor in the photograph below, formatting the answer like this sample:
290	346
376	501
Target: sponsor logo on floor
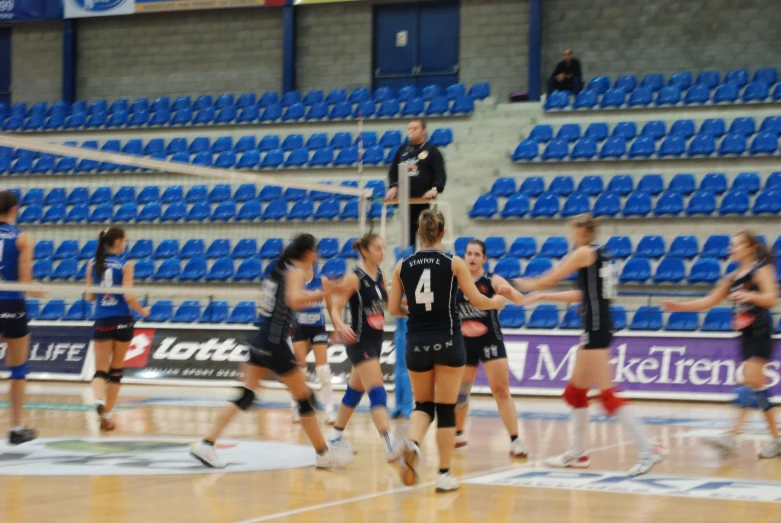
138	456
668	485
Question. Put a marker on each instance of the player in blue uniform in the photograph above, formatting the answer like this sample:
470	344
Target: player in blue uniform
309	332
363	338
284	292
595	291
113	329
484	343
435	347
753	290
16	262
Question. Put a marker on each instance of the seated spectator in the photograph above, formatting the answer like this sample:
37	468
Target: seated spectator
567	75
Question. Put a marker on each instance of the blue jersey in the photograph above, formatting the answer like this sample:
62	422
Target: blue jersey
110	305
9	259
313	315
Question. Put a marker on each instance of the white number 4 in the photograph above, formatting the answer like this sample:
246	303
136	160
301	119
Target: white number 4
423	294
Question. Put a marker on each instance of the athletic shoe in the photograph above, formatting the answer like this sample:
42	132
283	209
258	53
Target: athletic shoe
333	459
400	447
461	441
341	443
409	462
207	455
517	450
330	416
446	483
569	460
17	437
107	425
725	444
772	450
647	460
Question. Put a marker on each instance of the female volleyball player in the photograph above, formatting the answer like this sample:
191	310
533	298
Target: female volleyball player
113	330
753	289
283	292
363	338
435	347
16	266
595	284
484	343
309	332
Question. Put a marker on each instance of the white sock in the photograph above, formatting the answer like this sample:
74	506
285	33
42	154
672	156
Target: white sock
335	434
632	424
326	390
579	428
389	440
18	429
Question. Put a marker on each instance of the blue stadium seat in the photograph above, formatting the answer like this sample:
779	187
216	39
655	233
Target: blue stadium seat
745	126
685	247
269	143
43	249
653	81
517	206
768	202
734	202
523	247
480	91
216	311
455	91
126	212
484	207
600	84
642	147
32	197
225	160
526	150
327	210
194	270
621	184
776	95
532	186
569	132
508	268
504	187
766	75
495	246
683	321
42	269
144	269
192	248
673	146
53	310
346	156
561	186
175	212
705	270
297	158
335	268
294	113
414	107
670	203
715	183
206	115
701	203
682	184
225	211
637	204
512	317
440	137
150	213
702	145
670	270
316	141
718	319
670	95
546	206
656	129
554	247
141	249
167	249
249	270
650	247
764	143
377	187
544	317
613	98
161	311
438	106
168	270
537	267
597	131
641	97
755	92
391	139
460	245
65	270
31	214
247	99
716	246
219	248
302	210
575	204
463	105
226	114
747	182
101	213
627	82
249	160
636	270
584	149
647	318
739	77
272	113
275	210
67	249
290	98
273	159
709	78
774	181
614	148
246	143
726	93
618	314
572	319
271	248
322	157
541	133
557	149
586	99
221	270
697	94
683	128
607	204
270	98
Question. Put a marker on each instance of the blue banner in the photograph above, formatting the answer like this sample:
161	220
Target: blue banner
30	10
59	351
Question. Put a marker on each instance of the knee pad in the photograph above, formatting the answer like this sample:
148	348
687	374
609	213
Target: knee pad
245	399
115	375
446	415
611	402
20	372
575	397
463	395
745	398
762	398
427	407
306	407
351	397
378	397
100	374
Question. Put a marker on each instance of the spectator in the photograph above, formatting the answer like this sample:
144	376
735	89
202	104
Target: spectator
567	75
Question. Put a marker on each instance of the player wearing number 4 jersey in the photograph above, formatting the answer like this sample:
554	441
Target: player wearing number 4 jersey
595	290
113	330
435	347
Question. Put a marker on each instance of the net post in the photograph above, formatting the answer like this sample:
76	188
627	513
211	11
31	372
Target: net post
403	208
362	204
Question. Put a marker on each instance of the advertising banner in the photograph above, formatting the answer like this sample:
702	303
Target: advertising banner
159	6
90	8
55	352
30	10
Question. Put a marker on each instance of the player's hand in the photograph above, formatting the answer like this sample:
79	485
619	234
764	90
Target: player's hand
670	306
391	193
145	312
347	334
742	296
430	194
498	302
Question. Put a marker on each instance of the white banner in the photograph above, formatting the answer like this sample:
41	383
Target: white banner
89	8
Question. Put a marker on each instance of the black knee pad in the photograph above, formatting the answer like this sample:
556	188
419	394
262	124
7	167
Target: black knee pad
446	415
427	407
244	401
100	374
115	375
307	407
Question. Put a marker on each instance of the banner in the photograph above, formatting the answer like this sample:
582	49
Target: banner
30	10
159	6
55	352
90	8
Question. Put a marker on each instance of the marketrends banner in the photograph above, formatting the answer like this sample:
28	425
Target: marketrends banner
30	10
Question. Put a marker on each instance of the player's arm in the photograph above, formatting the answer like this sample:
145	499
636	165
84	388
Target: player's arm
338	302
556	297
128	278
90	282
501	286
468	287
24	244
577	259
767	295
396	294
716	296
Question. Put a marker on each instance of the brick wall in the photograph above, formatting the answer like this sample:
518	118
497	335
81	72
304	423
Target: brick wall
36	62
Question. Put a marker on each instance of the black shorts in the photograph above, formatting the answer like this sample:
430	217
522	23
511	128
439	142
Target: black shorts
364	350
756	347
484	348
314	334
13	319
116	328
600	339
426	349
278	358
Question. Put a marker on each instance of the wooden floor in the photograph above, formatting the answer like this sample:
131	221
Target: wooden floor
494	487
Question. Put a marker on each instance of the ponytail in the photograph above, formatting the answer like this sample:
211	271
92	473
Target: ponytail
300	245
364	242
763	254
106	240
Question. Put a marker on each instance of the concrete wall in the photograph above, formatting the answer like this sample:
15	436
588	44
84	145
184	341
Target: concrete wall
36	62
639	37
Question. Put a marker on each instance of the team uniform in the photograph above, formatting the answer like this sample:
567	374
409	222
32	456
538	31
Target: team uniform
309	323
13	313
596	285
270	348
367	317
113	320
481	329
754	323
433	329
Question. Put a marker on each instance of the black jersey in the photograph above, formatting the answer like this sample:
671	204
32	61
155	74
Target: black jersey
367	306
596	283
275	318
482	322
748	317
430	286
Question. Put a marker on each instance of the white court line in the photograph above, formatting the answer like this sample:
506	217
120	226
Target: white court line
391	492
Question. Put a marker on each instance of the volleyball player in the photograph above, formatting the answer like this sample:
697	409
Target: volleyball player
484	343
435	347
753	290
309	332
270	351
16	266
113	329
363	338
595	290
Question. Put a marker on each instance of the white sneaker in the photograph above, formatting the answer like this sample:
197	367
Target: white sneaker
647	460
341	443
725	444
517	449
333	459
207	455
400	447
330	416
569	460
446	483
461	441
409	463
772	450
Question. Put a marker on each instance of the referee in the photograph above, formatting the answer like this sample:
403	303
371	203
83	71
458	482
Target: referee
424	165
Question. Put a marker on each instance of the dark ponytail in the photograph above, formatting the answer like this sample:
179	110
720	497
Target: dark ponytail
364	242
300	245
106	240
763	254
8	201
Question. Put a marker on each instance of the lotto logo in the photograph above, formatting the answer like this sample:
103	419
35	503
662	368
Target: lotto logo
138	354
